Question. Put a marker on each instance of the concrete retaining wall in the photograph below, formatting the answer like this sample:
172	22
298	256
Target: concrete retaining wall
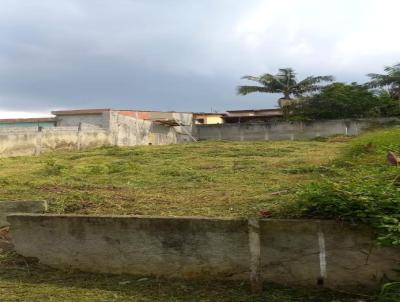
280	130
292	252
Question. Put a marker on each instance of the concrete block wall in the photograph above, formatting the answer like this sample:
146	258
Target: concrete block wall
292	252
122	131
34	141
281	130
18	141
306	252
135	131
129	131
101	120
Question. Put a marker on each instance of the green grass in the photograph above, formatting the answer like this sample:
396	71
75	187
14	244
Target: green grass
360	186
21	280
206	178
214	179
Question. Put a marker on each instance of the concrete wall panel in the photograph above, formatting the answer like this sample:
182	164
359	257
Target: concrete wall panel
281	130
99	120
293	252
176	247
18	142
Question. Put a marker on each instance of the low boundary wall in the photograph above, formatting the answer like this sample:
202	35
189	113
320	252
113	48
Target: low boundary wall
125	131
290	252
34	141
281	130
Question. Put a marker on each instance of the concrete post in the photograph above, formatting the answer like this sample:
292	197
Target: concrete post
255	256
116	132
322	256
137	128
79	137
39	136
241	134
219	133
266	135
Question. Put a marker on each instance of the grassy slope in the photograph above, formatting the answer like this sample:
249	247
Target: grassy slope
360	186
205	178
209	178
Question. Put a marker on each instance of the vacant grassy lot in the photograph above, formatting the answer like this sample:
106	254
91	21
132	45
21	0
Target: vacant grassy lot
23	281
205	178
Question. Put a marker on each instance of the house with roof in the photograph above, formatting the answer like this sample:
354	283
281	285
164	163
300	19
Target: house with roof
238	116
28	122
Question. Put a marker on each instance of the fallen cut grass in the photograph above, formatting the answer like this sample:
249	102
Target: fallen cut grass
206	178
213	179
21	280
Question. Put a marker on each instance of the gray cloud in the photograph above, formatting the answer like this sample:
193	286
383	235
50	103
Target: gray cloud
177	55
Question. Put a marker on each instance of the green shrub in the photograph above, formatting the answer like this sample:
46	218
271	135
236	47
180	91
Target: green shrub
363	187
53	168
390	292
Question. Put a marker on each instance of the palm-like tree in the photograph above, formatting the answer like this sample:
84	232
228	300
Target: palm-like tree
284	82
390	80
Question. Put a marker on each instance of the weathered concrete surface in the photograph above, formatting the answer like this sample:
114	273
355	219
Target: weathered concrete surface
31	141
291	254
18	141
9	207
130	131
177	247
281	130
294	252
100	119
106	129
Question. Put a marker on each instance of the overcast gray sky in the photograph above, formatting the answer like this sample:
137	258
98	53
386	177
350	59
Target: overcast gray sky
181	55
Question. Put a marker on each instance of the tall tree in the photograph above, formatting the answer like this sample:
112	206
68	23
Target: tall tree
390	80
340	100
284	82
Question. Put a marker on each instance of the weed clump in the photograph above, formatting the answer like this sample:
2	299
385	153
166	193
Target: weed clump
363	189
53	168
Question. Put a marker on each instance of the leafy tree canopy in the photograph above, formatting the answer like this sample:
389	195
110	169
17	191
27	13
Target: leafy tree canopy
390	81
284	82
340	100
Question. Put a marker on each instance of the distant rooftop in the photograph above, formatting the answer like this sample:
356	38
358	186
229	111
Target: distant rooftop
27	120
80	111
99	111
209	113
256	110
